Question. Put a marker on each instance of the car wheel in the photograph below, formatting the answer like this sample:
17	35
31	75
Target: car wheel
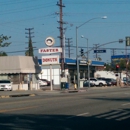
100	84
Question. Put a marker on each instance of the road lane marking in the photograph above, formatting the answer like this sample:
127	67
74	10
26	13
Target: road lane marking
17	109
78	115
25	101
123	118
125	104
33	100
117	115
108	114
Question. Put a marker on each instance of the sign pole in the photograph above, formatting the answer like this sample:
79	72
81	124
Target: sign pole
51	59
51	76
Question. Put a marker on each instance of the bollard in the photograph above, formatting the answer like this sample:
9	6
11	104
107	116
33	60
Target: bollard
75	86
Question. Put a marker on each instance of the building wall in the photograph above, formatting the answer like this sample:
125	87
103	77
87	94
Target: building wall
45	74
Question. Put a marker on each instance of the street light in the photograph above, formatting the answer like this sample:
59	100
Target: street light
104	17
87	60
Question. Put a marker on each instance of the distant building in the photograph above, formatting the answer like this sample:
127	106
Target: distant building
117	58
70	69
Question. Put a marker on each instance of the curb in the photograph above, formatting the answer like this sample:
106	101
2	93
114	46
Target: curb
73	91
4	97
16	95
82	90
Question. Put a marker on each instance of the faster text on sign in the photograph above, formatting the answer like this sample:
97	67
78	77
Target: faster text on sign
50	50
53	59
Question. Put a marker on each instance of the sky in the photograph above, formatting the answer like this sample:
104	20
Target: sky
42	15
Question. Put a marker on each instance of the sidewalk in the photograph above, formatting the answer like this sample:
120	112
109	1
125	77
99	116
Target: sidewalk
47	91
42	91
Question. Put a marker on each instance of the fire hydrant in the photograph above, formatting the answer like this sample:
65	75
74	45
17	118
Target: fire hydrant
75	86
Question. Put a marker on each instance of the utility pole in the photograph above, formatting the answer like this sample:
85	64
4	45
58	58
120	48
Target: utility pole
29	52
30	47
113	52
96	47
69	45
61	36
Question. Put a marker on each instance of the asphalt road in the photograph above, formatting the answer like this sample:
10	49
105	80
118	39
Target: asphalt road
92	110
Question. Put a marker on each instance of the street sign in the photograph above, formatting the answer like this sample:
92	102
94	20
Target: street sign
99	51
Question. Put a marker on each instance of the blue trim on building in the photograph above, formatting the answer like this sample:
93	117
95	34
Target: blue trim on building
68	60
97	63
119	56
73	61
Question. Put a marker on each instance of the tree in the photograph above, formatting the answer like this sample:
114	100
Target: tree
122	64
108	66
99	58
3	54
29	52
3	43
30	48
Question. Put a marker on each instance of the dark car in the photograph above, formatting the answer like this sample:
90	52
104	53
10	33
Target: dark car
45	80
114	82
86	84
108	81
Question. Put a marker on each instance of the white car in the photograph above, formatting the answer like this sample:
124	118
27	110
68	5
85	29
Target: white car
98	82
5	85
42	83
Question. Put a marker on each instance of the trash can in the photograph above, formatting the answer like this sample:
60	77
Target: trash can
63	85
67	86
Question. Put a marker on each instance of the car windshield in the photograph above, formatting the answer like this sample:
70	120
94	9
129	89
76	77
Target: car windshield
4	81
43	79
108	80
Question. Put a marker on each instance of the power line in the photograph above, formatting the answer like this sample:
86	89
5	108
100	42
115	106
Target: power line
75	47
26	10
99	2
18	2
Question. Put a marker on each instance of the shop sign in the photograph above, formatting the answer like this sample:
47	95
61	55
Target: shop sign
50	50
52	59
50	41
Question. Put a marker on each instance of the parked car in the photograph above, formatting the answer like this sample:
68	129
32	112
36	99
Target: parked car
108	81
98	82
126	81
114	82
6	85
44	82
86	84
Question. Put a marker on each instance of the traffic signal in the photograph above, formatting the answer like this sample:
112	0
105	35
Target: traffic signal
117	67
127	41
82	52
